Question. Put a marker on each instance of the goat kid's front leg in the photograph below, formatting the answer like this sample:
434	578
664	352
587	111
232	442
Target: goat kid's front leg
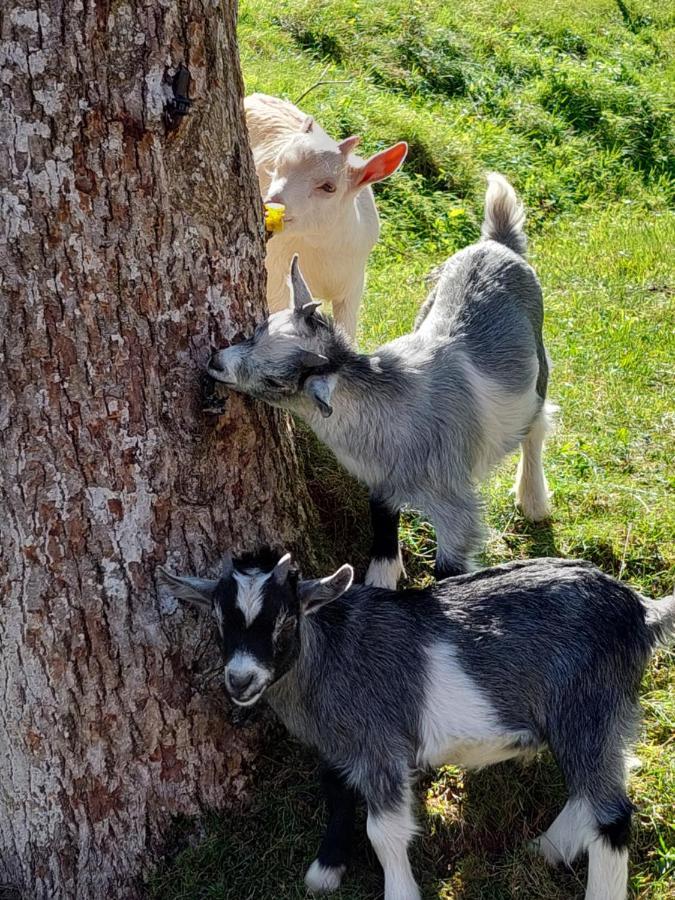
390	830
346	308
325	873
386	566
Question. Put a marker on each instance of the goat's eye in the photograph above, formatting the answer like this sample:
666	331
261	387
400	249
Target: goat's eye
328	187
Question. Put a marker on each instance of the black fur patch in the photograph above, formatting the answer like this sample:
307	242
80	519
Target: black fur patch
617	833
385	531
336	845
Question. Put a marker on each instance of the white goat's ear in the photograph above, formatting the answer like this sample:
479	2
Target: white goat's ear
379	166
198	591
307	125
319	389
316	593
345	147
300	295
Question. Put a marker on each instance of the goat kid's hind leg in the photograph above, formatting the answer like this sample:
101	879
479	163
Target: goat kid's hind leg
325	873
390	830
386	566
608	853
458	531
531	489
578	829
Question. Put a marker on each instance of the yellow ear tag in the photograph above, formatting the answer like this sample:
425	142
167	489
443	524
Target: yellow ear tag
274	217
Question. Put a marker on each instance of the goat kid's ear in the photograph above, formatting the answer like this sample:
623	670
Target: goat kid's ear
319	389
307	125
345	147
379	166
197	591
280	571
316	593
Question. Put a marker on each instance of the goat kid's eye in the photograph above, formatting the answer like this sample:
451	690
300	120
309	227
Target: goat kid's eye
328	187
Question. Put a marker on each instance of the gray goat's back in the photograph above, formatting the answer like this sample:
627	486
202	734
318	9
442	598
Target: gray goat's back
490	297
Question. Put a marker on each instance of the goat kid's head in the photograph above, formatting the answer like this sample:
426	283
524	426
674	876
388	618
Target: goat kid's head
316	179
257	604
290	355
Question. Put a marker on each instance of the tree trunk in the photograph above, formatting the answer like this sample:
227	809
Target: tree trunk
132	245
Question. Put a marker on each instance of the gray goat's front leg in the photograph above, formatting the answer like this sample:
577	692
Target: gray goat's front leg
456	520
386	566
390	830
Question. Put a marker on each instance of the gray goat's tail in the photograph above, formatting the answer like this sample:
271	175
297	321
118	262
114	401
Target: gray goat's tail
504	215
661	619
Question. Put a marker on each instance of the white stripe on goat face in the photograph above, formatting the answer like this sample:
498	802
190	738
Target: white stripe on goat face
249	599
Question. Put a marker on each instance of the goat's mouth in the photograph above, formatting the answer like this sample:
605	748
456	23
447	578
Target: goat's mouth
248	699
222	375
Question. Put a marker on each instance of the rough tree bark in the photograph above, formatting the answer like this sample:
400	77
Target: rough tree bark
129	250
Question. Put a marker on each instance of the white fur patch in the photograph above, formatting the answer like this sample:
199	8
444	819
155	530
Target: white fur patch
459	724
250	593
607	872
505	416
570	834
390	833
384	573
532	494
241	665
323	879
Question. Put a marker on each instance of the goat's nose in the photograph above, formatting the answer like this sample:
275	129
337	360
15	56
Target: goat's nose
276	197
238	682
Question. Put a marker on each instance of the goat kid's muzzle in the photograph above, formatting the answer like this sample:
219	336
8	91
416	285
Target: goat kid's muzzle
223	364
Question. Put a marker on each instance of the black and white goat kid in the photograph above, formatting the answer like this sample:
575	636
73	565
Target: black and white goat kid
477	669
426	416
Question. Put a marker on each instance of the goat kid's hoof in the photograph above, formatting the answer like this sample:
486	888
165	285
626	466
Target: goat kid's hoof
544	847
323	879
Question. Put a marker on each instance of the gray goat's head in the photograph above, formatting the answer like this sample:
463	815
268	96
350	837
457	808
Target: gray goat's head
290	355
257	603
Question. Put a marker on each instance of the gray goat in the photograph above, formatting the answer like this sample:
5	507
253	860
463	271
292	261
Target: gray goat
426	416
477	669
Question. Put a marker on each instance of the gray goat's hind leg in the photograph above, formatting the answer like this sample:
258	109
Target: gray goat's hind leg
457	523
532	495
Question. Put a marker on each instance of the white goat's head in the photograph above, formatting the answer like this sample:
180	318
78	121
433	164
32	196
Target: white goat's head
316	180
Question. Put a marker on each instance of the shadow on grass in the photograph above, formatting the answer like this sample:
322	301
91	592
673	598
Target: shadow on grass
474	830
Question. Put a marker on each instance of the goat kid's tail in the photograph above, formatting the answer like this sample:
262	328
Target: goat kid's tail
661	619
504	215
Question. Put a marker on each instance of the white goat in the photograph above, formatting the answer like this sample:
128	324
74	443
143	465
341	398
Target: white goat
331	221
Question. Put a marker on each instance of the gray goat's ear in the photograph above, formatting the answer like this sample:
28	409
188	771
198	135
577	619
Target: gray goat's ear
198	591
316	593
319	389
307	125
227	566
312	360
302	301
280	571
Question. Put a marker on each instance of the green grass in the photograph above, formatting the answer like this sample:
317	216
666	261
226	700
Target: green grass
570	101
